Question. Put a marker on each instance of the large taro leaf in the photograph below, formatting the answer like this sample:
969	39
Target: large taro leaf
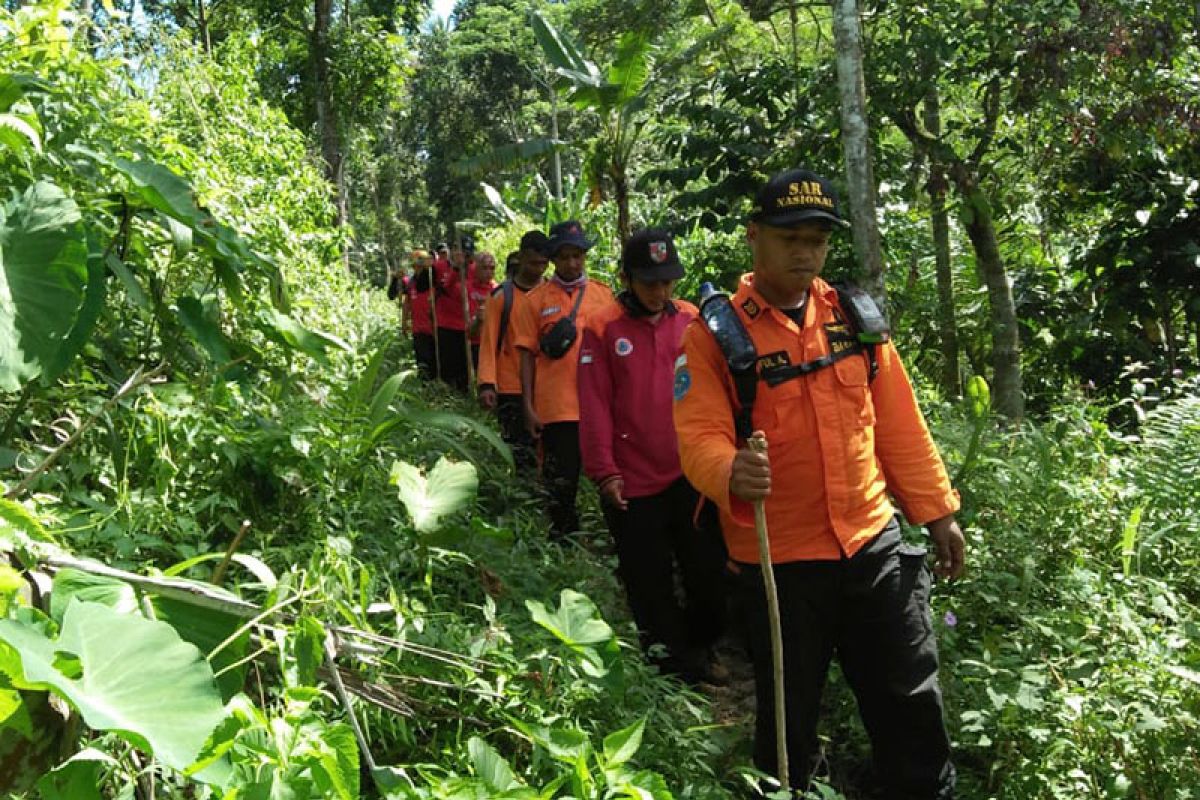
448	487
125	674
43	273
579	626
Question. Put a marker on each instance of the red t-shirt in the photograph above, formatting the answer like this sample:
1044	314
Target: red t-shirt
418	302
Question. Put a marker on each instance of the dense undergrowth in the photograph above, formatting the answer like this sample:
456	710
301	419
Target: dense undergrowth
483	661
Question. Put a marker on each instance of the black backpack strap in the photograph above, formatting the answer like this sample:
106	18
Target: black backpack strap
866	319
506	314
740	355
578	302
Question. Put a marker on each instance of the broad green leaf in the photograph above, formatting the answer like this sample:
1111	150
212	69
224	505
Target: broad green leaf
576	622
204	329
181	234
338	775
631	66
14	87
43	272
490	766
286	331
19	134
621	746
308	651
361	389
129	675
162	189
19	517
85	321
78	778
73	584
381	403
560	51
133	288
449	487
206	628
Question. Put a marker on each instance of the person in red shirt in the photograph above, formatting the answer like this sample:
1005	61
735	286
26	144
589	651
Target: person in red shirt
547	333
845	437
417	300
451	322
479	290
499	359
626	375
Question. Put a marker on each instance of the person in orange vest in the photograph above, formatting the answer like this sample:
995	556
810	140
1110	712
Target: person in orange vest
844	437
626	365
499	359
547	334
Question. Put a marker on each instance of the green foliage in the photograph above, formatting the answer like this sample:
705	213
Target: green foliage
169	710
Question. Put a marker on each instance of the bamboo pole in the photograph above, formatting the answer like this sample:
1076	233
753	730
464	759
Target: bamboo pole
758	443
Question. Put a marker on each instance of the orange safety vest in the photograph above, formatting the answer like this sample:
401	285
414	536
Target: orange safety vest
838	443
556	394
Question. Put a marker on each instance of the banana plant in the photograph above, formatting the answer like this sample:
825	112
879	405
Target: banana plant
617	95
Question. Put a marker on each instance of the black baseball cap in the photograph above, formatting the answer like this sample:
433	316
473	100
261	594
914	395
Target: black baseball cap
536	241
567	233
795	196
650	255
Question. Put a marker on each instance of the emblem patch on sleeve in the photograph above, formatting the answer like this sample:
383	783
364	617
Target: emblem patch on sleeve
683	378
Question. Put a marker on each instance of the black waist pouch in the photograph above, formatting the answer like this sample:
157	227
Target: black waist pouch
557	342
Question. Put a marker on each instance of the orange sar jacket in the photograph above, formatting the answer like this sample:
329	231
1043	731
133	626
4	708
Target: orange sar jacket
555	392
837	443
503	370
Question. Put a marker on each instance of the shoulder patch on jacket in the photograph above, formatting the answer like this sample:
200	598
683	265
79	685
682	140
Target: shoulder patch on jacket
751	308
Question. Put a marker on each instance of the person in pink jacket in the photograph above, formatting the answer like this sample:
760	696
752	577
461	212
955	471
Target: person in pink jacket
627	440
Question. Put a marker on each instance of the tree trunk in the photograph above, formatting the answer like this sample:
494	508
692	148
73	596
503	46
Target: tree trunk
327	121
856	144
621	194
558	190
951	379
1008	397
202	21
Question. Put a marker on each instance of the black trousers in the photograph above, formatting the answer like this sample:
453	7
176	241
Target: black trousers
423	353
872	610
653	535
452	350
561	462
510	413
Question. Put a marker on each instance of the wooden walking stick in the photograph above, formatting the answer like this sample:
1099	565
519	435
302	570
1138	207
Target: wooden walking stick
758	443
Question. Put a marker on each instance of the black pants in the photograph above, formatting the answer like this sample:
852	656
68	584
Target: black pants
510	413
653	535
872	610
452	350
423	353
560	475
475	356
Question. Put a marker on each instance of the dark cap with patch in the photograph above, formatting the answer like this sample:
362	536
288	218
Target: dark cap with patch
650	255
794	197
569	233
536	241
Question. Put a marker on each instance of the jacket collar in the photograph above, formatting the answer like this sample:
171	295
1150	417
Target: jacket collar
755	308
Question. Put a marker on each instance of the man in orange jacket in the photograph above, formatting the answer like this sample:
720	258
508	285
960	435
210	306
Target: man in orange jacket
499	359
548	335
844	433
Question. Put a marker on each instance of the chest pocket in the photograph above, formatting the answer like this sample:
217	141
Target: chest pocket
853	387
